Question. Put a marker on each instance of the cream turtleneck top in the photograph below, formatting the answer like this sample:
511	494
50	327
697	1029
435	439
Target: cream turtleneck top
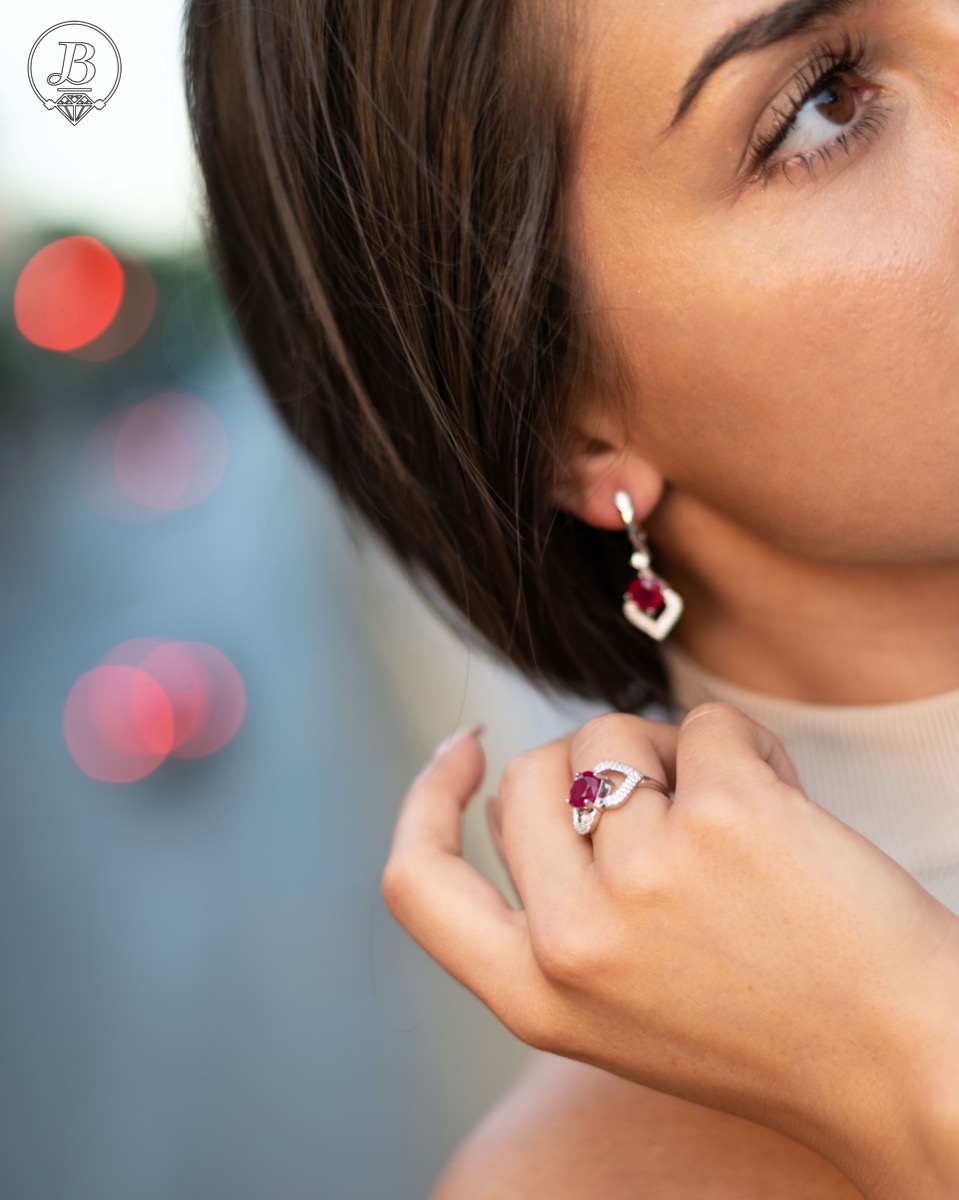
889	771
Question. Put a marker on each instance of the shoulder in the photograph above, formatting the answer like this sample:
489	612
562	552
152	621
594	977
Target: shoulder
539	1140
569	1131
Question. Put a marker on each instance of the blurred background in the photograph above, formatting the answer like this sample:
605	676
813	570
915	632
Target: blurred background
212	701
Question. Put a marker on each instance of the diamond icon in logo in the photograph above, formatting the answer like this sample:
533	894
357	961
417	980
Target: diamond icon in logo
74	106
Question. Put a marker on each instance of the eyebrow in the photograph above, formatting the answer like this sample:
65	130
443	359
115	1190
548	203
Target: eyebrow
789	19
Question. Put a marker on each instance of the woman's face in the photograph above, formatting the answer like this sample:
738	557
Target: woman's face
782	265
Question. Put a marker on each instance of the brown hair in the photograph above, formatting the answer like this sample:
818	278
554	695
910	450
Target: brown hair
385	208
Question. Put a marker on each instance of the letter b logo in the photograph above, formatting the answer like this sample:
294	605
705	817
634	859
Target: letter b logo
75	54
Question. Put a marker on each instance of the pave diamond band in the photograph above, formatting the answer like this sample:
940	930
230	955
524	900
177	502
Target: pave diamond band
591	792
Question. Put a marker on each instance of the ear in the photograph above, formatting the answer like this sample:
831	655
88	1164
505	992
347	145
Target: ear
600	465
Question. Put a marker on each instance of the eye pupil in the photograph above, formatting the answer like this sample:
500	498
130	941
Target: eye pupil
838	104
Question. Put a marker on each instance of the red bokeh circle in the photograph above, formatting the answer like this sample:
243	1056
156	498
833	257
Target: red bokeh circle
150	699
68	293
118	724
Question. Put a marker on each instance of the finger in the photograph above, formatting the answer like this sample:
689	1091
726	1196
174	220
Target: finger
616	735
544	854
720	745
496	832
459	763
623	833
496	828
453	911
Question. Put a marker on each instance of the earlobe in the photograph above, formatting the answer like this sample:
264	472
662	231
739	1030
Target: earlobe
594	476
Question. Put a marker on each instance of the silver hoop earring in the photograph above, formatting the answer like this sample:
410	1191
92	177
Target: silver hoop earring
649	602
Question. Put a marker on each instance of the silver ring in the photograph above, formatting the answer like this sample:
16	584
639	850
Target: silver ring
591	792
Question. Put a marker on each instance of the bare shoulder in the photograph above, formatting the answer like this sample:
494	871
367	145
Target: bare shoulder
569	1131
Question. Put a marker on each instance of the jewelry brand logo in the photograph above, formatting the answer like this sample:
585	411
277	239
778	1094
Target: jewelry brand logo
74	67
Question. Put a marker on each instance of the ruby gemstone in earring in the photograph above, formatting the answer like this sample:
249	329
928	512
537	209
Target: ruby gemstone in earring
652	605
647	593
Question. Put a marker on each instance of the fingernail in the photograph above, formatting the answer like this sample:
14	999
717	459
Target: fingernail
460	735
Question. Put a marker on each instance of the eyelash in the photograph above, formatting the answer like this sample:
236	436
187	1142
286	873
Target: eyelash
824	65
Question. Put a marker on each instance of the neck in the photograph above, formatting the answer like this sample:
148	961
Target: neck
825	632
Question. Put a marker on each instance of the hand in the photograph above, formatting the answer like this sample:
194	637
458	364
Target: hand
737	946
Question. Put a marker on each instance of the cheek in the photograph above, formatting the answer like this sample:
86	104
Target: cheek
812	391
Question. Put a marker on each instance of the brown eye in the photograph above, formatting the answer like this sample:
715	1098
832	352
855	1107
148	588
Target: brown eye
838	103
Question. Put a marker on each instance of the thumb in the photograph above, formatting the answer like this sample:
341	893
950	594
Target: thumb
455	913
427	818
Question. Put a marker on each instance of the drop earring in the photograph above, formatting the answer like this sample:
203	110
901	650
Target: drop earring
649	602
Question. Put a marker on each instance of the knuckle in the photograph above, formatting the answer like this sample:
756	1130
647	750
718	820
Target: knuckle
528	1004
394	883
563	952
533	1029
516	772
715	811
640	880
523	1019
544	1033
715	708
607	729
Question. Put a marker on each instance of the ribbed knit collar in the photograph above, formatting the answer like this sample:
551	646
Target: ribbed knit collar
890	771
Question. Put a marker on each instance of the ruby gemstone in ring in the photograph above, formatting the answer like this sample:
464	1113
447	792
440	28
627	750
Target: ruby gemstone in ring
587	789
